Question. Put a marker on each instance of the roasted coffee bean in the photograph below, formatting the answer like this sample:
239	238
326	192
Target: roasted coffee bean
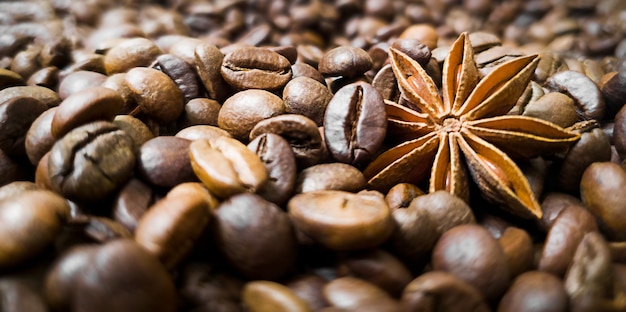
333	176
255	236
301	133
202	132
401	195
518	250
164	161
135	128
16	188
208	59
44	95
280	163
39	139
305	96
554	107
157	95
132	201
117	82
586	94
92	104
226	166
553	204
75	282
201	111
386	84
354	294
202	287
600	189
345	61
242	111
46	77
89	229
10	79
306	70
472	254
17	115
19	296
593	146
27	62
619	132
613	89
309	288
359	221
130	53
438	290
415	49
32	221
79	81
422	32
181	73
265	296
536	291
255	68
91	161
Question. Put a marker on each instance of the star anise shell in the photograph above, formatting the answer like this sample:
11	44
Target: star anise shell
468	123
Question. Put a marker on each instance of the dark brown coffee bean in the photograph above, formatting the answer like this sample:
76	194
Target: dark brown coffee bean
45	95
442	291
593	146
130	53
87	229
164	161
354	294
17	114
518	250
201	111
75	282
135	128
536	291
91	161
181	73
306	70
415	49
157	95
613	89
401	195
242	111
333	176
351	215
307	97
444	209
39	139
255	68
10	79
600	189
289	52
202	287
414	236
345	61
280	163
554	107
19	296
584	91
472	254
301	133
32	221
309	288
255	236
132	202
85	106
355	124
386	84
208	60
265	296
619	132
553	204
79	81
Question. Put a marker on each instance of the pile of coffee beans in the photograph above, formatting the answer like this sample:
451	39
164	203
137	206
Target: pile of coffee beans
208	155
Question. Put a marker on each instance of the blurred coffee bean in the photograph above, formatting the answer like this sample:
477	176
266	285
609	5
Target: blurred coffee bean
309	288
600	189
414	236
354	294
518	250
593	146
255	68
306	96
345	61
355	124
27	62
340	220
613	89
439	290
200	111
16	188
255	236
535	291
401	195
46	77
10	79
472	254
202	132
157	95
445	209
332	176
39	139
18	296
619	132
181	73
266	296
135	128
132	201
164	161
79	81
44	95
554	107
205	288
553	204
242	111
75	282
586	94
130	53
17	114
117	82
424	33
91	161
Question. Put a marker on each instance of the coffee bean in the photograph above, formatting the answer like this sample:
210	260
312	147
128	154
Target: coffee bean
553	204
586	94
164	161
518	250
201	111
593	146
442	291
255	236
242	111
91	161
414	236
351	215
554	107
355	124
44	95
261	296
345	61
46	77
415	49
204	288
130	53
117	82
202	132
333	176
255	68
39	139
386	84
181	73
135	128
306	97
309	288
79	81
537	291
401	195
132	201
613	89
10	79
17	114
619	132
208	60
20	297
306	70
157	95
226	166
422	32
351	293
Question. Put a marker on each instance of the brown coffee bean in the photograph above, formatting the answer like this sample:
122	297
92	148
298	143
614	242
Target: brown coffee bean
472	254
401	195
79	81
266	296
32	221
593	146
183	74
85	106
358	221
17	114
75	283
202	132
563	238
355	294
386	84
518	250
135	128
44	95
619	132
255	68
16	188
415	49
306	70
280	163
307	97
10	79
345	61
157	95
414	236
442	291
27	62
91	161
19	296
422	32
169	229
201	111
46	77
245	109
536	291
204	288
613	89
164	161
226	166
208	60
584	91
309	288
130	53
554	107
444	209
39	139
132	201
255	236
333	176
553	204
301	133
600	189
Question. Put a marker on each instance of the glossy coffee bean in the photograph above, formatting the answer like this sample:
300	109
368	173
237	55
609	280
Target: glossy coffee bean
255	68
446	210
135	128
536	291
553	204
44	95
619	132
75	283
518	250
359	221
91	104
584	91
117	82
266	296
414	236
226	167
201	111
79	81
401	195
181	73
39	139
306	96
439	290
164	161
132	201
345	61
309	288
305	70
208	59
19	296
32	221
473	255
202	132
355	124
242	111
593	146
332	176
130	53
255	236
554	107
91	161
18	114
600	190
415	49
157	95
202	287
352	294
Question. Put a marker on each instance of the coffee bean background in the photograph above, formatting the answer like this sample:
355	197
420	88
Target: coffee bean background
200	155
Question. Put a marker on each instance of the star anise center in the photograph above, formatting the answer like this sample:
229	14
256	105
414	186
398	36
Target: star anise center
451	124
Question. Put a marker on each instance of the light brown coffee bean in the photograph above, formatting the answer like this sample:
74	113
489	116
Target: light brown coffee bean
306	96
352	294
255	68
202	132
401	195
130	53
518	250
157	95
266	296
554	107
333	176
242	111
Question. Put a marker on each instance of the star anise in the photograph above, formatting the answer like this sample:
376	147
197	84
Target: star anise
469	123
